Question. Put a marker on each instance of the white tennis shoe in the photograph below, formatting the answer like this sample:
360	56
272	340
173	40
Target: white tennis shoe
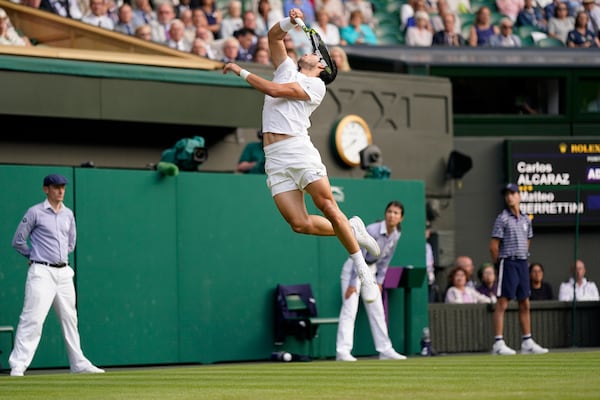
530	347
369	290
501	349
362	236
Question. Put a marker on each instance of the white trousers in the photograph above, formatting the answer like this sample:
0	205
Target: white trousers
47	287
375	312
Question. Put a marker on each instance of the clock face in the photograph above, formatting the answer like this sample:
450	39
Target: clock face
351	135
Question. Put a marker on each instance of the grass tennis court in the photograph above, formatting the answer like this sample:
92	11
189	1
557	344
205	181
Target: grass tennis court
560	374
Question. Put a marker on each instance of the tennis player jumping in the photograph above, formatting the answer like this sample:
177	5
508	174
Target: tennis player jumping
293	163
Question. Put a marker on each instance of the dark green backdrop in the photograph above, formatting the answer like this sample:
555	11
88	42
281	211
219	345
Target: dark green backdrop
183	269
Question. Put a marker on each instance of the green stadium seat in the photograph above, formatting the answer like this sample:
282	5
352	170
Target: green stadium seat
526	30
550	42
525	34
466	31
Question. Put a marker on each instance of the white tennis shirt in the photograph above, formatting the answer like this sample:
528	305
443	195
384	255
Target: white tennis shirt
289	116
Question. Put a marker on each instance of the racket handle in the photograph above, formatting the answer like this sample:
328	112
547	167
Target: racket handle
300	23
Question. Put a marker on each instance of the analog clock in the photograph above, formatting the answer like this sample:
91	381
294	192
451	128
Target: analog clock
349	136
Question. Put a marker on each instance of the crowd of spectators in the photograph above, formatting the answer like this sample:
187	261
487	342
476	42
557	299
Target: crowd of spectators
209	26
222	31
461	288
499	23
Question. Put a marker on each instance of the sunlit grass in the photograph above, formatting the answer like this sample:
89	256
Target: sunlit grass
557	375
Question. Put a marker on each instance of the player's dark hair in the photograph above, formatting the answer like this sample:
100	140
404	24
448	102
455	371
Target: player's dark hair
329	73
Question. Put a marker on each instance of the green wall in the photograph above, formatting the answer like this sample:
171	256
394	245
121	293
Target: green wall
183	269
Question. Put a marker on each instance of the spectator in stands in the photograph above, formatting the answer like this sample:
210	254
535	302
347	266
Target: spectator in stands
407	10
487	284
506	37
466	263
261	56
266	16
262	43
572	7
438	20
419	5
8	34
183	6
366	9
482	28
59	7
247	41
460	6
593	12
201	25
230	49
540	290
201	48
510	8
532	15
177	39
305	5
160	28
249	21
459	293
252	159
581	36
448	36
335	9
584	290
232	20
143	12
98	15
187	17
419	35
125	22
387	233
329	32
340	58
357	31
112	10
561	23
213	16
144	32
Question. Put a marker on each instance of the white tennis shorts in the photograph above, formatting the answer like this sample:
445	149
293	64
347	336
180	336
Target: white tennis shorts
291	164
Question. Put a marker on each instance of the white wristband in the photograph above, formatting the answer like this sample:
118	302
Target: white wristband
244	74
286	24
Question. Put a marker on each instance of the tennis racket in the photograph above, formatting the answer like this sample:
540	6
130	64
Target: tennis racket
319	48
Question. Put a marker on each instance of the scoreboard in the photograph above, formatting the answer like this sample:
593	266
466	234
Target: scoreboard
559	180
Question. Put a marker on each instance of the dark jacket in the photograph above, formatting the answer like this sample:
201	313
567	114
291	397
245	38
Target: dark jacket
439	39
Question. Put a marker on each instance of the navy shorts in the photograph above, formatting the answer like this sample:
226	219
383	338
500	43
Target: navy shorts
513	279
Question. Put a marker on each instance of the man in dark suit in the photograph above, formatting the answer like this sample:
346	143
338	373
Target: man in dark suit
448	37
64	8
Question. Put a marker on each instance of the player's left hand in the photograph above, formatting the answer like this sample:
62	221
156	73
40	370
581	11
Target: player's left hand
296	13
233	67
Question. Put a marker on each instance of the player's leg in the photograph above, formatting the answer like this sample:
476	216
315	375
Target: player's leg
292	207
322	197
320	191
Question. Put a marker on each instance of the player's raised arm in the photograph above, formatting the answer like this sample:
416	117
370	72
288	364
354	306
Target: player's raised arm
277	34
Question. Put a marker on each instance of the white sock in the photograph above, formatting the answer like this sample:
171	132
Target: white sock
358	259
